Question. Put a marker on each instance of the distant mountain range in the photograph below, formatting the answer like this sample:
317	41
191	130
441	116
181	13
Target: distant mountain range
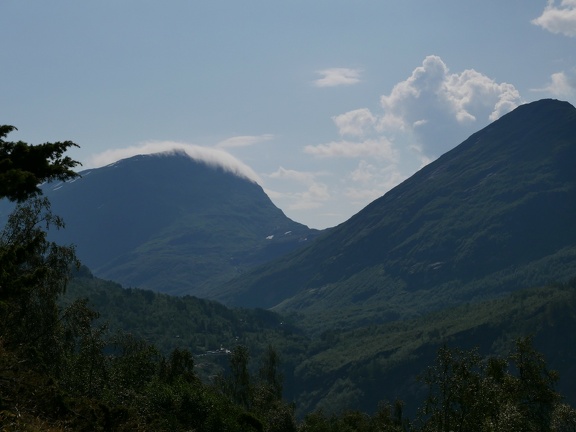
172	224
476	249
495	214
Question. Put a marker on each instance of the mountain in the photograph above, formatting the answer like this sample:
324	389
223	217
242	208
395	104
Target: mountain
493	215
170	223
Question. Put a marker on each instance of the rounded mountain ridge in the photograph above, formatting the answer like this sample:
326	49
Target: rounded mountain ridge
171	223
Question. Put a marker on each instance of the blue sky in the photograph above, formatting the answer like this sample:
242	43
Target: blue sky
328	104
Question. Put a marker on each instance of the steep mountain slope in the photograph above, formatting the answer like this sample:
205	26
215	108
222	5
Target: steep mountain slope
493	215
170	223
354	369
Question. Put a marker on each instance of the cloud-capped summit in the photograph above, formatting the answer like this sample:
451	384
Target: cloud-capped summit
212	156
170	222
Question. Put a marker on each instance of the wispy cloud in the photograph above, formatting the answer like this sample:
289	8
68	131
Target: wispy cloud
558	18
337	76
211	156
306	193
370	181
289	174
562	84
378	148
244	141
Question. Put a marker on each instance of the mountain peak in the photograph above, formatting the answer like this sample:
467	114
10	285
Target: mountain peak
209	156
170	222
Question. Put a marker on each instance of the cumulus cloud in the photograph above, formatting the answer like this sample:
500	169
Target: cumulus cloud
562	84
210	156
355	123
558	18
432	110
337	76
422	117
433	98
244	141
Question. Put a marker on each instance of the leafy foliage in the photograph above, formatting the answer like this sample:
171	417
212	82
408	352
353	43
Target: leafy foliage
33	274
23	167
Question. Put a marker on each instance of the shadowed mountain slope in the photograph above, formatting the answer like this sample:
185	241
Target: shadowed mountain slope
170	223
493	215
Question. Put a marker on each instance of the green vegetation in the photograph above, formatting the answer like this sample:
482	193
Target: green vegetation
79	353
205	328
71	373
59	371
23	167
361	360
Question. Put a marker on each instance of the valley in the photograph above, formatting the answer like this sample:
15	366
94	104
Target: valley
185	261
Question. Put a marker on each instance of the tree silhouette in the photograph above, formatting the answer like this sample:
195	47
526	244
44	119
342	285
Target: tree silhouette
23	166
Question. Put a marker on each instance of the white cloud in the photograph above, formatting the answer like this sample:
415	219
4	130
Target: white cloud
312	193
432	110
244	141
379	147
462	96
355	123
211	156
313	197
561	84
559	19
437	108
337	76
422	117
369	181
364	173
